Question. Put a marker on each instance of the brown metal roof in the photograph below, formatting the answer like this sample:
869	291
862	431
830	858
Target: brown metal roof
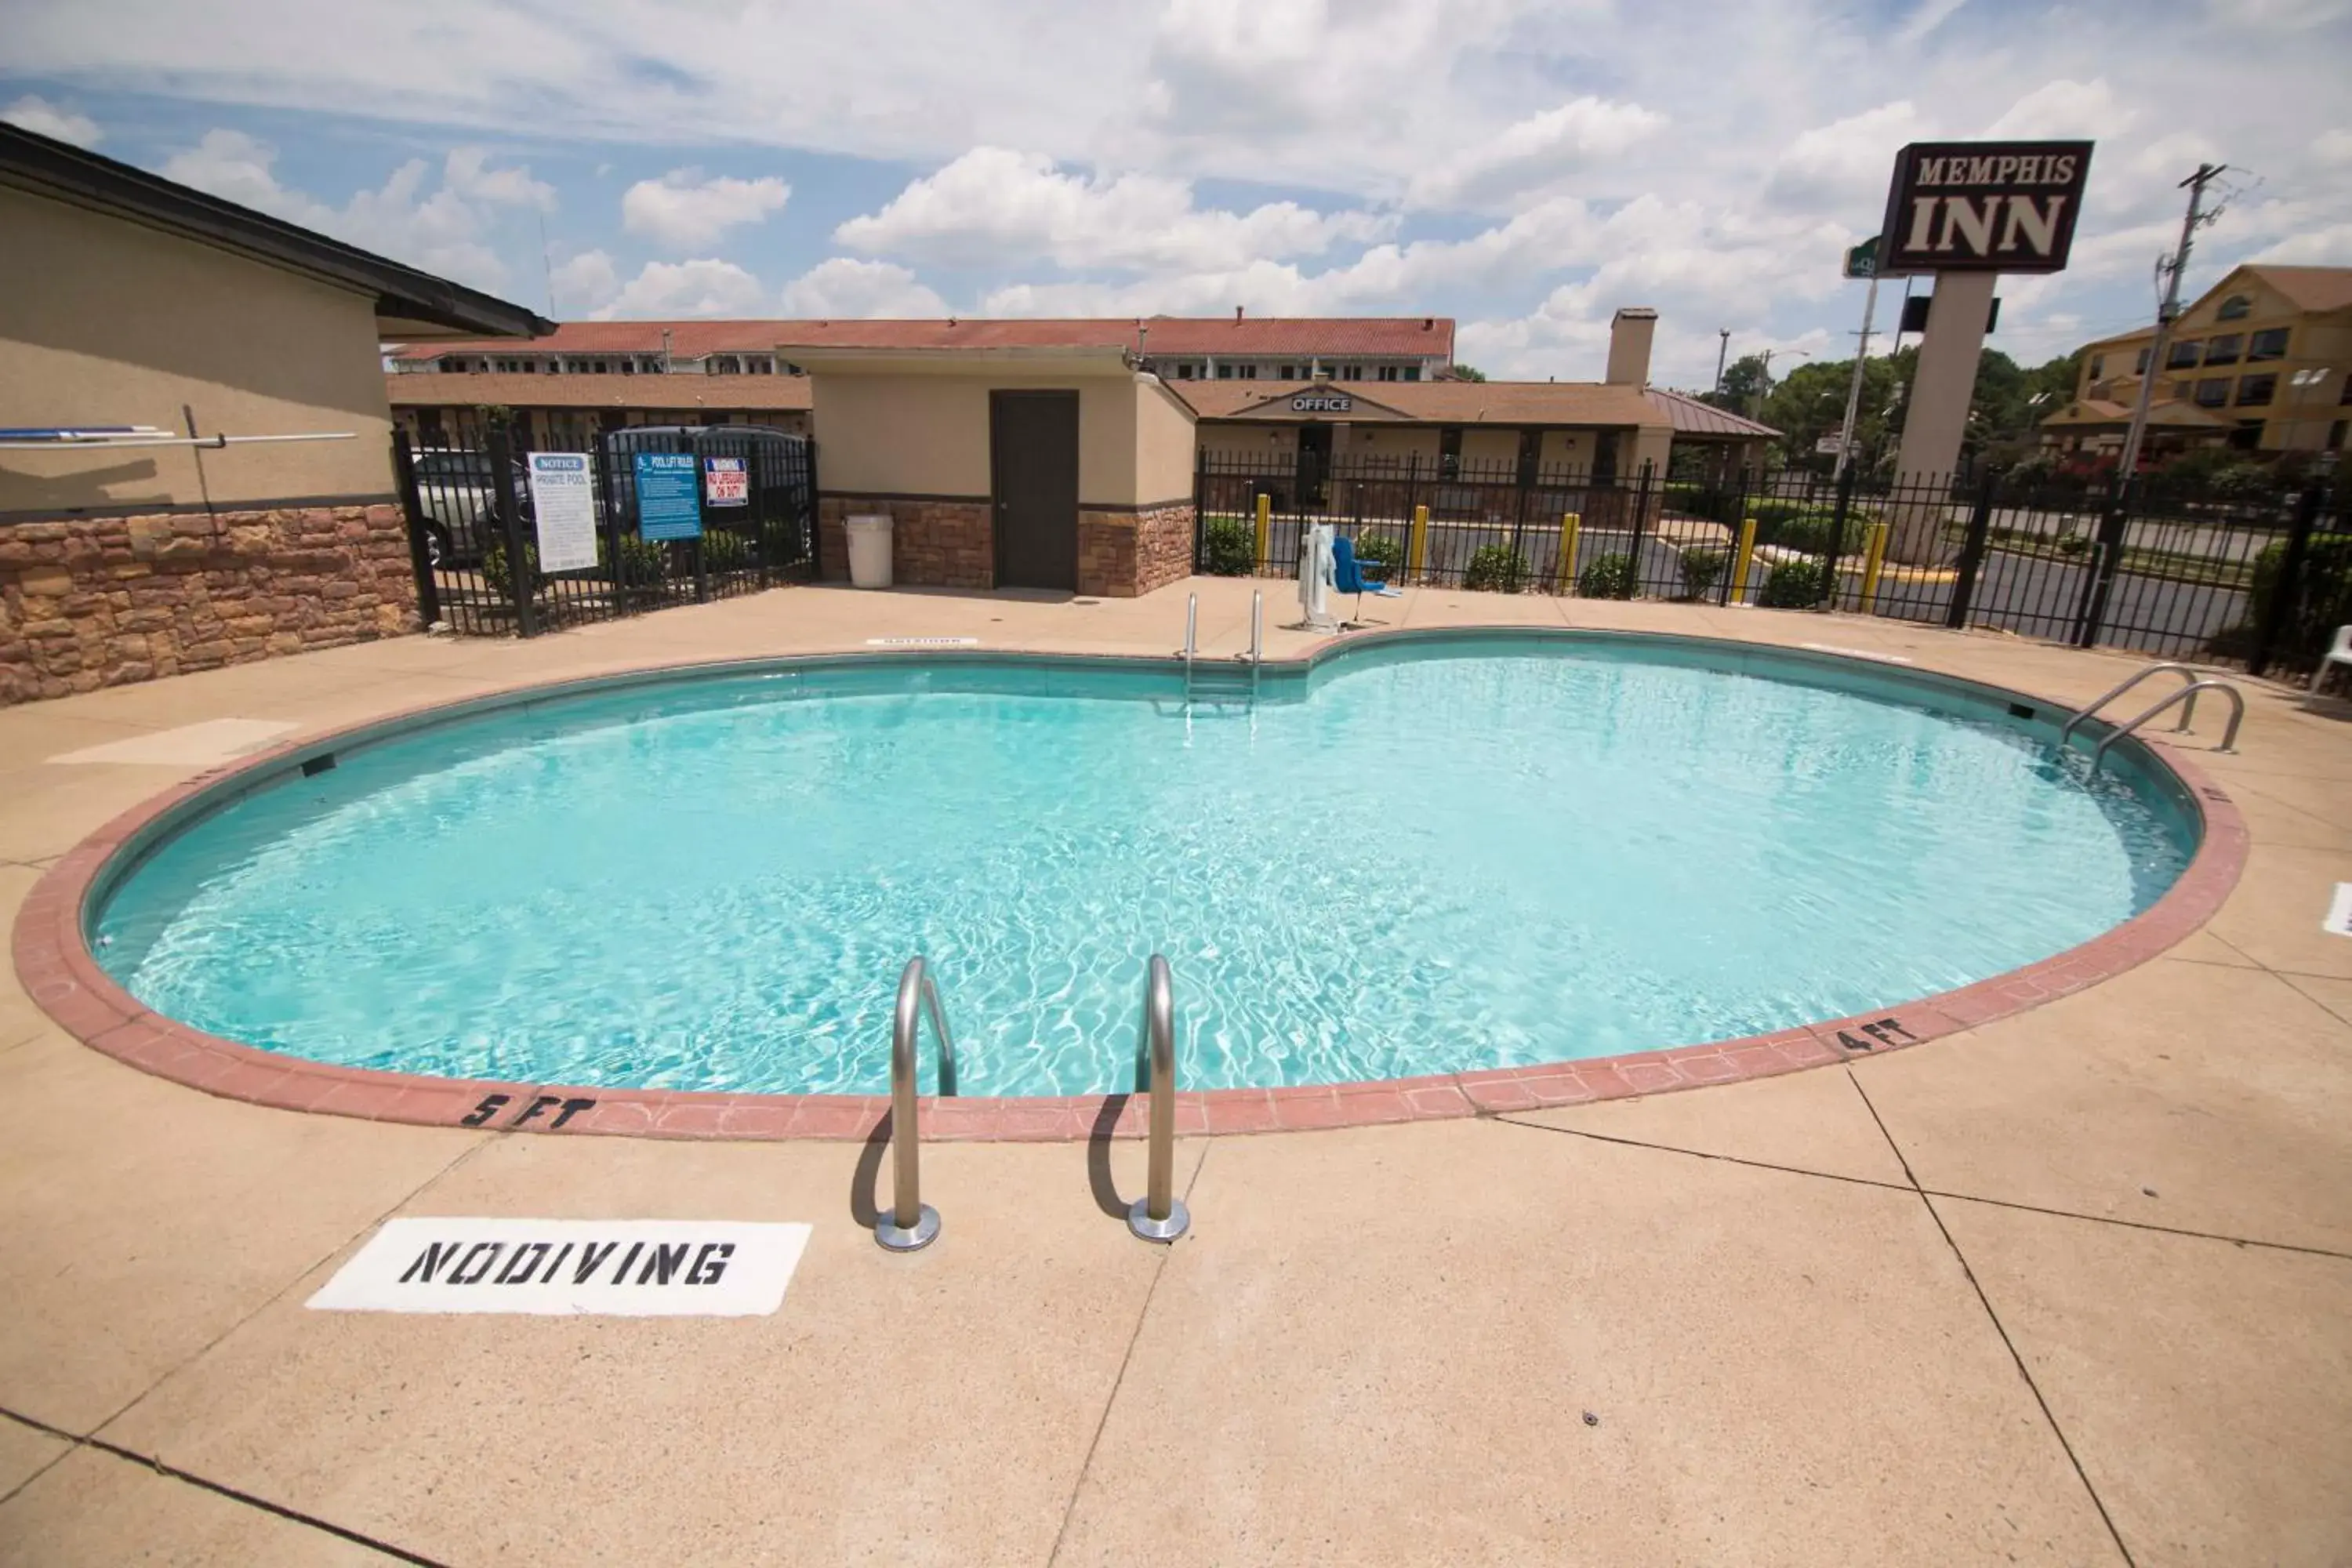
1689	417
2309	287
749	393
2170	412
1423	337
1435	402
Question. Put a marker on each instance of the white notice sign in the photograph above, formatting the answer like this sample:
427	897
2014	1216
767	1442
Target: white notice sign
2339	911
563	500
627	1269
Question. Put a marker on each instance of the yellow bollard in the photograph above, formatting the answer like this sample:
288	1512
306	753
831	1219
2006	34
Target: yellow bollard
1871	561
1416	550
1264	528
1741	559
1569	522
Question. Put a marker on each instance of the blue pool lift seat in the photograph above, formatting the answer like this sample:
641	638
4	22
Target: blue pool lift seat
1350	575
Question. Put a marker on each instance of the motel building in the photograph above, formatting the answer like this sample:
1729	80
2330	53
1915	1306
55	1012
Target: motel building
2261	361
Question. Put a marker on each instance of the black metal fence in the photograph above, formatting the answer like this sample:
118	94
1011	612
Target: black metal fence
741	517
2174	571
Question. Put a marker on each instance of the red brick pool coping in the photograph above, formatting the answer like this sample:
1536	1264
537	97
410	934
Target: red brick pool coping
60	973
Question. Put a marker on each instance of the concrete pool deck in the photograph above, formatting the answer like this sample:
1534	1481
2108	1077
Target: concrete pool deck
2075	1286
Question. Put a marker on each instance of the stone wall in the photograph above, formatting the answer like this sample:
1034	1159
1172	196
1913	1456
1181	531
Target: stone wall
933	543
1122	554
93	602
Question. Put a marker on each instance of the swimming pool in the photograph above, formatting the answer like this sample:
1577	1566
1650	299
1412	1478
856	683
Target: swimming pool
1423	855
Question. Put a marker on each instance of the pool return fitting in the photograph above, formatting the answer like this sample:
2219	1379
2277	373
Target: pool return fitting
909	1224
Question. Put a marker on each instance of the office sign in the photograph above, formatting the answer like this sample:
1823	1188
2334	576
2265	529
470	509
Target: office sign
564	509
1322	403
1982	206
725	482
560	1267
1862	261
669	496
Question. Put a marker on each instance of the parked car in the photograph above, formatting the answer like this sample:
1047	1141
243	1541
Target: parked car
461	512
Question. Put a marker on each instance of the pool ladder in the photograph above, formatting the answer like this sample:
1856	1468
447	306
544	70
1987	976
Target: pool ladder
2185	695
909	1224
1192	650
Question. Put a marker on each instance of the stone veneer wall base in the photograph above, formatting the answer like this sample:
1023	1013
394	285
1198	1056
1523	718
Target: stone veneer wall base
93	602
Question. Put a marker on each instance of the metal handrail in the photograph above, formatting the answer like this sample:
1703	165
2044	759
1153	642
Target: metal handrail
1257	635
1192	625
1160	1215
909	1223
2184	671
2229	733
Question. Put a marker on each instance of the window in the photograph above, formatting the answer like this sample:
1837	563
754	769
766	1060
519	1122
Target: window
2183	356
726	364
2235	306
2099	366
2248	435
1286	373
1184	370
1413	373
2269	344
2336	437
1388	373
2223	351
2253	391
2346	395
1248	373
1224	373
2213	393
1352	372
759	365
1449	452
2139	366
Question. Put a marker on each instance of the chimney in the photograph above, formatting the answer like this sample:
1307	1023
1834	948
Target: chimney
1237	314
1629	345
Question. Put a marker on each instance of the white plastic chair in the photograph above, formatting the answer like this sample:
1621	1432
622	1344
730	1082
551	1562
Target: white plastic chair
2341	653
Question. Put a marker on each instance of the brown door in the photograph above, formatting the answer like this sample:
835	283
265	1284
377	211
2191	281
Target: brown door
1033	457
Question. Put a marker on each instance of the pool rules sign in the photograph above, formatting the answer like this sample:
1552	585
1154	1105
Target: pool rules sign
628	1268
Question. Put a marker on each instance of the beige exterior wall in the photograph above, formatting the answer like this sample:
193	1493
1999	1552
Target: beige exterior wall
1486	447
1163	443
1652	445
106	322
1566	448
926	432
1249	441
1398	443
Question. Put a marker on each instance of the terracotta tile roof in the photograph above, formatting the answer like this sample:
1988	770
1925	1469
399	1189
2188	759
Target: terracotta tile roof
1438	402
1420	337
1689	417
2309	287
749	393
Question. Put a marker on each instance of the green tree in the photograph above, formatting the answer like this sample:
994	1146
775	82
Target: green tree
1745	383
1467	373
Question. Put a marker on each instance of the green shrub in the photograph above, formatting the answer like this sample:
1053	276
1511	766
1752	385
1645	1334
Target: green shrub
1811	530
1770	512
1702	569
1231	548
494	568
1608	577
724	552
1496	568
643	561
1383	549
1795	585
2073	543
2313	614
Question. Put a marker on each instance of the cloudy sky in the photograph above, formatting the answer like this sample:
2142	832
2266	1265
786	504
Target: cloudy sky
1524	165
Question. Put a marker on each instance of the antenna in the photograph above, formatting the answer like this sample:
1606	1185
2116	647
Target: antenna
547	263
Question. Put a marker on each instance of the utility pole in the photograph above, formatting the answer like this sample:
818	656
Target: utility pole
2195	185
1853	386
1722	347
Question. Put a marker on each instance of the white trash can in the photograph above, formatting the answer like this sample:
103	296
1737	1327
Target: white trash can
869	551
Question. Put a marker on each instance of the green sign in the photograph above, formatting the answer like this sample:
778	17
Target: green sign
1862	261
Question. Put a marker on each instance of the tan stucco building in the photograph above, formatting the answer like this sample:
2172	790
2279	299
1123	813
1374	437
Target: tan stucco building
132	301
2261	361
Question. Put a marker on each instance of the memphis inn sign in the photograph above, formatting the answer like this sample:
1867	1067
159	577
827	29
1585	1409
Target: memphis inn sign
1983	206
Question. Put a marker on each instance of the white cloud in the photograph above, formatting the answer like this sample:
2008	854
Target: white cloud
2329	246
2064	107
466	173
684	211
1848	162
1536	154
704	287
993	204
2332	146
847	288
1931	15
584	283
38	114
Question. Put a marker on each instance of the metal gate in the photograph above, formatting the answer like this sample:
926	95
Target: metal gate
473	529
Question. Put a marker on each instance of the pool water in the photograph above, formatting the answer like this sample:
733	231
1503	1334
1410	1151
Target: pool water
1420	858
